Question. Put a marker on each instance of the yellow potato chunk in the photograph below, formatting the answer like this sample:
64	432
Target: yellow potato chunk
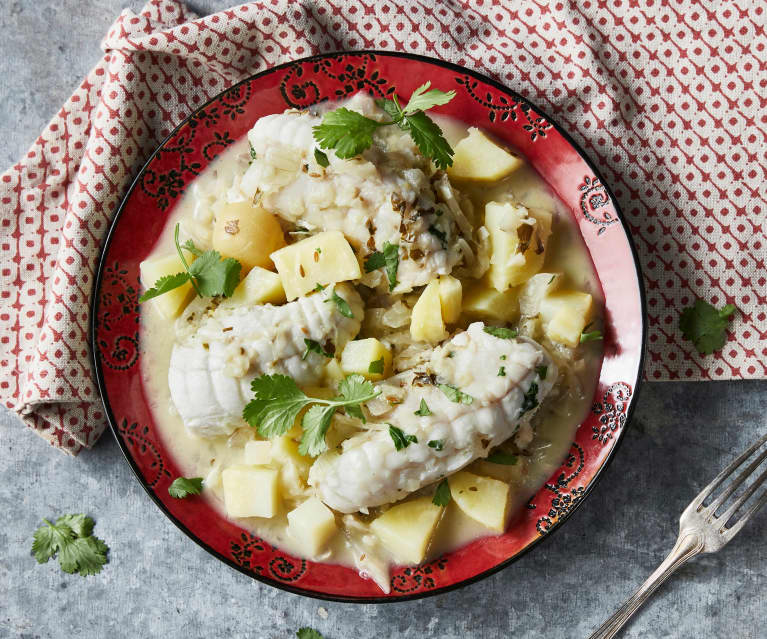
312	525
325	258
168	304
426	323
518	239
251	491
483	499
259	287
483	302
247	233
333	372
285	451
450	293
407	528
258	453
535	289
480	159
564	315
360	354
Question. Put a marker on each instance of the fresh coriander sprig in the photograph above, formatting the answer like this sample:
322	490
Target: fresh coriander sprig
349	133
182	487
278	401
705	326
209	274
79	551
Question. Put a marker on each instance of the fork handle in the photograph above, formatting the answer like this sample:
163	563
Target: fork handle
687	546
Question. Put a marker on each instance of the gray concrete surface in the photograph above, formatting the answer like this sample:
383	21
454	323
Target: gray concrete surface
160	584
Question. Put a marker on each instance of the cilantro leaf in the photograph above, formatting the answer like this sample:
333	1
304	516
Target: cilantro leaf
542	371
422	99
442	495
705	326
308	633
341	304
215	276
321	158
455	395
182	487
347	132
253	155
164	284
319	288
530	399
592	336
400	438
315	424
393	110
440	235
275	406
189	246
502	371
436	444
423	411
499	331
429	139
314	347
499	457
376	367
71	537
388	259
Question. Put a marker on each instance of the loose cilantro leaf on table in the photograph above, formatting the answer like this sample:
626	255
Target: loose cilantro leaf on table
423	409
705	326
455	395
314	347
72	538
388	259
341	304
442	495
350	133
182	487
278	400
400	438
308	633
499	331
499	457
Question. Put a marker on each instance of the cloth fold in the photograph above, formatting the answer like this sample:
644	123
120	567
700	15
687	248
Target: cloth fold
668	101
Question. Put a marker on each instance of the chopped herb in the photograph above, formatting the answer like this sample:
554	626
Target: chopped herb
502	371
551	280
542	371
314	347
401	440
319	288
350	133
278	400
451	354
442	495
318	250
79	551
705	326
503	333
321	158
387	259
423	410
376	367
252	153
182	487
593	336
530	400
440	235
499	457
341	304
503	357
436	444
455	395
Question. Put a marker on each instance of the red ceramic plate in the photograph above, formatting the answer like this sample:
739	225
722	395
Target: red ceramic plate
479	101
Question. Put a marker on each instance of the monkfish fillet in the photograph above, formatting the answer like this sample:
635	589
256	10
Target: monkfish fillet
217	353
386	195
368	470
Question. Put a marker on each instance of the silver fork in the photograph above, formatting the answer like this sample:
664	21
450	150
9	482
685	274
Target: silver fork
700	531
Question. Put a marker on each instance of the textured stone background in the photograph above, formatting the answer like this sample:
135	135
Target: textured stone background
160	584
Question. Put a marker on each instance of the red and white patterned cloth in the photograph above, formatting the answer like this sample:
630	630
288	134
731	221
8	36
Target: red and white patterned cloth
669	100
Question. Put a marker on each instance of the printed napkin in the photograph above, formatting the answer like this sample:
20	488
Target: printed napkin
669	100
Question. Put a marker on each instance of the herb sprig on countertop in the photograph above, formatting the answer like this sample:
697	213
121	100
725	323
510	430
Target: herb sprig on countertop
349	133
209	274
705	326
71	537
278	400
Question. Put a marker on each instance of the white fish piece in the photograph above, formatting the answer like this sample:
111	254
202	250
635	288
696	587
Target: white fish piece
369	471
387	195
218	352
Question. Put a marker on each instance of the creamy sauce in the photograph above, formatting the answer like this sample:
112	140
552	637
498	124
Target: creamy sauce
555	423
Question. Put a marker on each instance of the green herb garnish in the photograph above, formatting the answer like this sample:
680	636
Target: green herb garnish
502	371
442	495
319	288
401	440
388	259
499	331
440	235
341	304
182	487
593	336
530	400
705	326
436	444
542	371
308	633
376	367
423	410
314	347
455	395
321	158
72	538
499	457
253	155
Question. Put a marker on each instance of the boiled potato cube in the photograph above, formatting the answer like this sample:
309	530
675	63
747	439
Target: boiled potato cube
285	451
478	158
483	499
169	304
535	289
450	292
251	491
406	529
358	355
426	323
564	315
484	302
325	258
312	525
258	453
333	372
518	239
259	287
247	233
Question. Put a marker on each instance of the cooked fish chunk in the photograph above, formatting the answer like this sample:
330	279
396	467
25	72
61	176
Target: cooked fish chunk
219	351
369	471
386	195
